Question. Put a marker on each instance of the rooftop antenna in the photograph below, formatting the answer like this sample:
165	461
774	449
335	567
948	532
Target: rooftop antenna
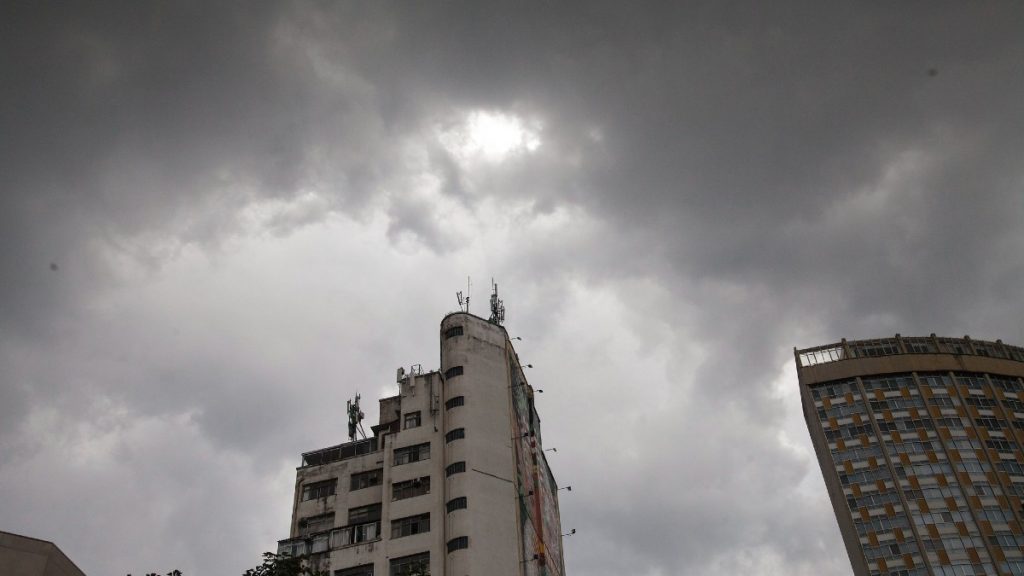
355	418
464	300
497	306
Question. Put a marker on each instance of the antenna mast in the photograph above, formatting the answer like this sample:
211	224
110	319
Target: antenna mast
497	306
464	300
355	418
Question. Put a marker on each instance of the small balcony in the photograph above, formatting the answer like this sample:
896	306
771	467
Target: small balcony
330	539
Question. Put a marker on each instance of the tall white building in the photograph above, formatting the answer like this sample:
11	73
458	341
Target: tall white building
453	481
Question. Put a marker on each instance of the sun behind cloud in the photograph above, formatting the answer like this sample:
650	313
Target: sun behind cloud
490	137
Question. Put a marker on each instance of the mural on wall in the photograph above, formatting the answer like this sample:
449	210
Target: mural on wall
538	510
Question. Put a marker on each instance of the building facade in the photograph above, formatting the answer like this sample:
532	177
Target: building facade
920	445
452	482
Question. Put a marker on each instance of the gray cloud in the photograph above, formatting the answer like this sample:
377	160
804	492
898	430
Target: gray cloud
249	207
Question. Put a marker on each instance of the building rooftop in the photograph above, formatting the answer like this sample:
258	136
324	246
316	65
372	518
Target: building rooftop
848	350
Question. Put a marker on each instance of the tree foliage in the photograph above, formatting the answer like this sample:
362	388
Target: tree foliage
283	565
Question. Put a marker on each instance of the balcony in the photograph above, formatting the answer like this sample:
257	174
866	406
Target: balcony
330	540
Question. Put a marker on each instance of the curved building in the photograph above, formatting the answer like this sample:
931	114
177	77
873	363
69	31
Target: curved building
920	445
454	480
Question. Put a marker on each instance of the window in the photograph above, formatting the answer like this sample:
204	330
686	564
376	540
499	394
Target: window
410	488
455	468
319	543
457	434
456	504
412	420
412	453
1000	445
366	479
1015	567
453	332
364	514
455	402
409	565
296	547
323	489
410	525
989	423
365	532
364	570
1007	540
458	543
363	525
314	524
453	372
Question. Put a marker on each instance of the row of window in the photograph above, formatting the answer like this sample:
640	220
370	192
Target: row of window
966	570
938	383
359	480
890	550
416	564
364	521
912	572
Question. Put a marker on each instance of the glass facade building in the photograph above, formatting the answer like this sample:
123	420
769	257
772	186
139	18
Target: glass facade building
921	445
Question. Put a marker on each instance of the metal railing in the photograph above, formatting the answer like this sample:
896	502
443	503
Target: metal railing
845	350
340	452
330	539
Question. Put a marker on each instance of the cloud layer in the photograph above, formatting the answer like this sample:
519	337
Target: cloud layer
220	222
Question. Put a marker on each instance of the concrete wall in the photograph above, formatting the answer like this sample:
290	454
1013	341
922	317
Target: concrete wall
488	484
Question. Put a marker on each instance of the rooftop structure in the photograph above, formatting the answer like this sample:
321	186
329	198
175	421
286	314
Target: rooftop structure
454	480
24	556
920	444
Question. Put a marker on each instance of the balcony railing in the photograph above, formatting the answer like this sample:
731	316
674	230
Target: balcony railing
330	540
845	350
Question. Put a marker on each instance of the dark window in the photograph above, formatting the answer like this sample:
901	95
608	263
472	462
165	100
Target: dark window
453	371
363	524
458	543
456	504
453	332
364	514
366	479
411	525
355	533
456	434
412	453
410	488
1000	445
455	402
412	420
455	468
322	489
408	565
314	524
364	570
989	423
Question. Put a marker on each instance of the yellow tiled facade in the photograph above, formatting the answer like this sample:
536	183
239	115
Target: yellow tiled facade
920	445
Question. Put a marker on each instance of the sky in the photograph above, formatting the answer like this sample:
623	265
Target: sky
221	220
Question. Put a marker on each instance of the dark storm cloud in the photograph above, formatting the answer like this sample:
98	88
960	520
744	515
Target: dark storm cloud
783	174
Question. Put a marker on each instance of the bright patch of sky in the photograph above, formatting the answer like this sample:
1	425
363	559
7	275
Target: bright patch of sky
490	137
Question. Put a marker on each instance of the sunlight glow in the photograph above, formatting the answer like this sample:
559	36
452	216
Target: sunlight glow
490	136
